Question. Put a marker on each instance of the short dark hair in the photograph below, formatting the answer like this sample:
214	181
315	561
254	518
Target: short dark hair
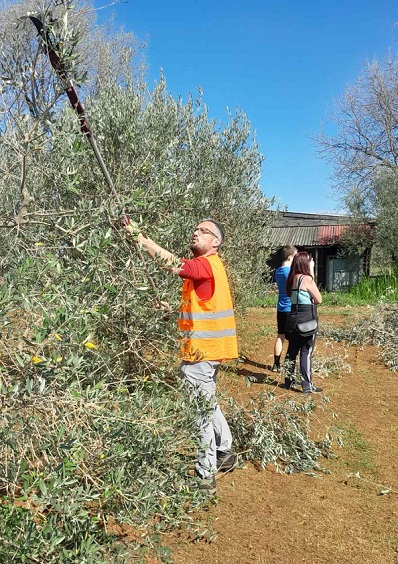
287	251
219	229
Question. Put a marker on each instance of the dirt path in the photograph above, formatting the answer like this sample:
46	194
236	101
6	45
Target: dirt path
262	517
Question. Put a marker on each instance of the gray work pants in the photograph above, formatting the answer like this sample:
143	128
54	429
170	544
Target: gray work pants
215	434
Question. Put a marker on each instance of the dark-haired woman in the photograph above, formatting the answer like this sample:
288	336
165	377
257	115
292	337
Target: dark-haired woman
304	295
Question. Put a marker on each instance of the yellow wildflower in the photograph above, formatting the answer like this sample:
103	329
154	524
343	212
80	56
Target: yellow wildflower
37	359
57	336
89	345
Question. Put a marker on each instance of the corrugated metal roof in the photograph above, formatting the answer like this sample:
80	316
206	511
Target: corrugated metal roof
306	236
309	230
292	219
330	234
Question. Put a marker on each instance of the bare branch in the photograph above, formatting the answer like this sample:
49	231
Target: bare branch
367	118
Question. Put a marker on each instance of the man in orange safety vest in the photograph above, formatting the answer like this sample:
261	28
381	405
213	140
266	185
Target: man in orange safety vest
208	330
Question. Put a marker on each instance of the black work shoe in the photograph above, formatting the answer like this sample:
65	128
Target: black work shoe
288	383
312	389
207	485
226	461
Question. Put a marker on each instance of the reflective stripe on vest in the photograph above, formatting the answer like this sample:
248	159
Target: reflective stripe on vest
207	315
209	334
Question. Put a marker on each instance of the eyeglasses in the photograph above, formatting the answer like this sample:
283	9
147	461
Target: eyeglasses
205	231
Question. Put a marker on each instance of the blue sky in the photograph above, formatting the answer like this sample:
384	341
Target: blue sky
282	62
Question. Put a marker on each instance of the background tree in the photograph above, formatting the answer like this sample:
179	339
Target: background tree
366	116
365	150
381	205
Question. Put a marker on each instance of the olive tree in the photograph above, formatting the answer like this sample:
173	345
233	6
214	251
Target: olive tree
380	207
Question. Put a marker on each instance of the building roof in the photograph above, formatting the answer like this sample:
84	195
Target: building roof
308	230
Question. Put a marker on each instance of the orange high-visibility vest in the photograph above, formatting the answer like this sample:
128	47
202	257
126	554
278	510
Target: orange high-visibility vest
208	327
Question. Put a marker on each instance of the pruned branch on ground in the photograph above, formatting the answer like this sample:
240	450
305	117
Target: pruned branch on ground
378	327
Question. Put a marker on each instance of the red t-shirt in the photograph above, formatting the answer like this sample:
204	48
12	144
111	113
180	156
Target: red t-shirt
199	270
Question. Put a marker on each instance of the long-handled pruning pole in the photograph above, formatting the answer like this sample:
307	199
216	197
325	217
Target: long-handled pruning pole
59	68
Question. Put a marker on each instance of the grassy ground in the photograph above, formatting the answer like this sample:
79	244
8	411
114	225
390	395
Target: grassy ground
368	291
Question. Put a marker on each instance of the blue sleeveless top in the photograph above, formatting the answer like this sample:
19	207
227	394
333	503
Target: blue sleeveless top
300	297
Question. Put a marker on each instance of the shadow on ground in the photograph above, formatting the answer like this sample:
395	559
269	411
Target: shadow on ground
257	377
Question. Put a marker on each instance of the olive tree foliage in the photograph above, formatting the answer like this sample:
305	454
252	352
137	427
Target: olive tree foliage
30	91
386	198
171	165
364	152
76	303
186	167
